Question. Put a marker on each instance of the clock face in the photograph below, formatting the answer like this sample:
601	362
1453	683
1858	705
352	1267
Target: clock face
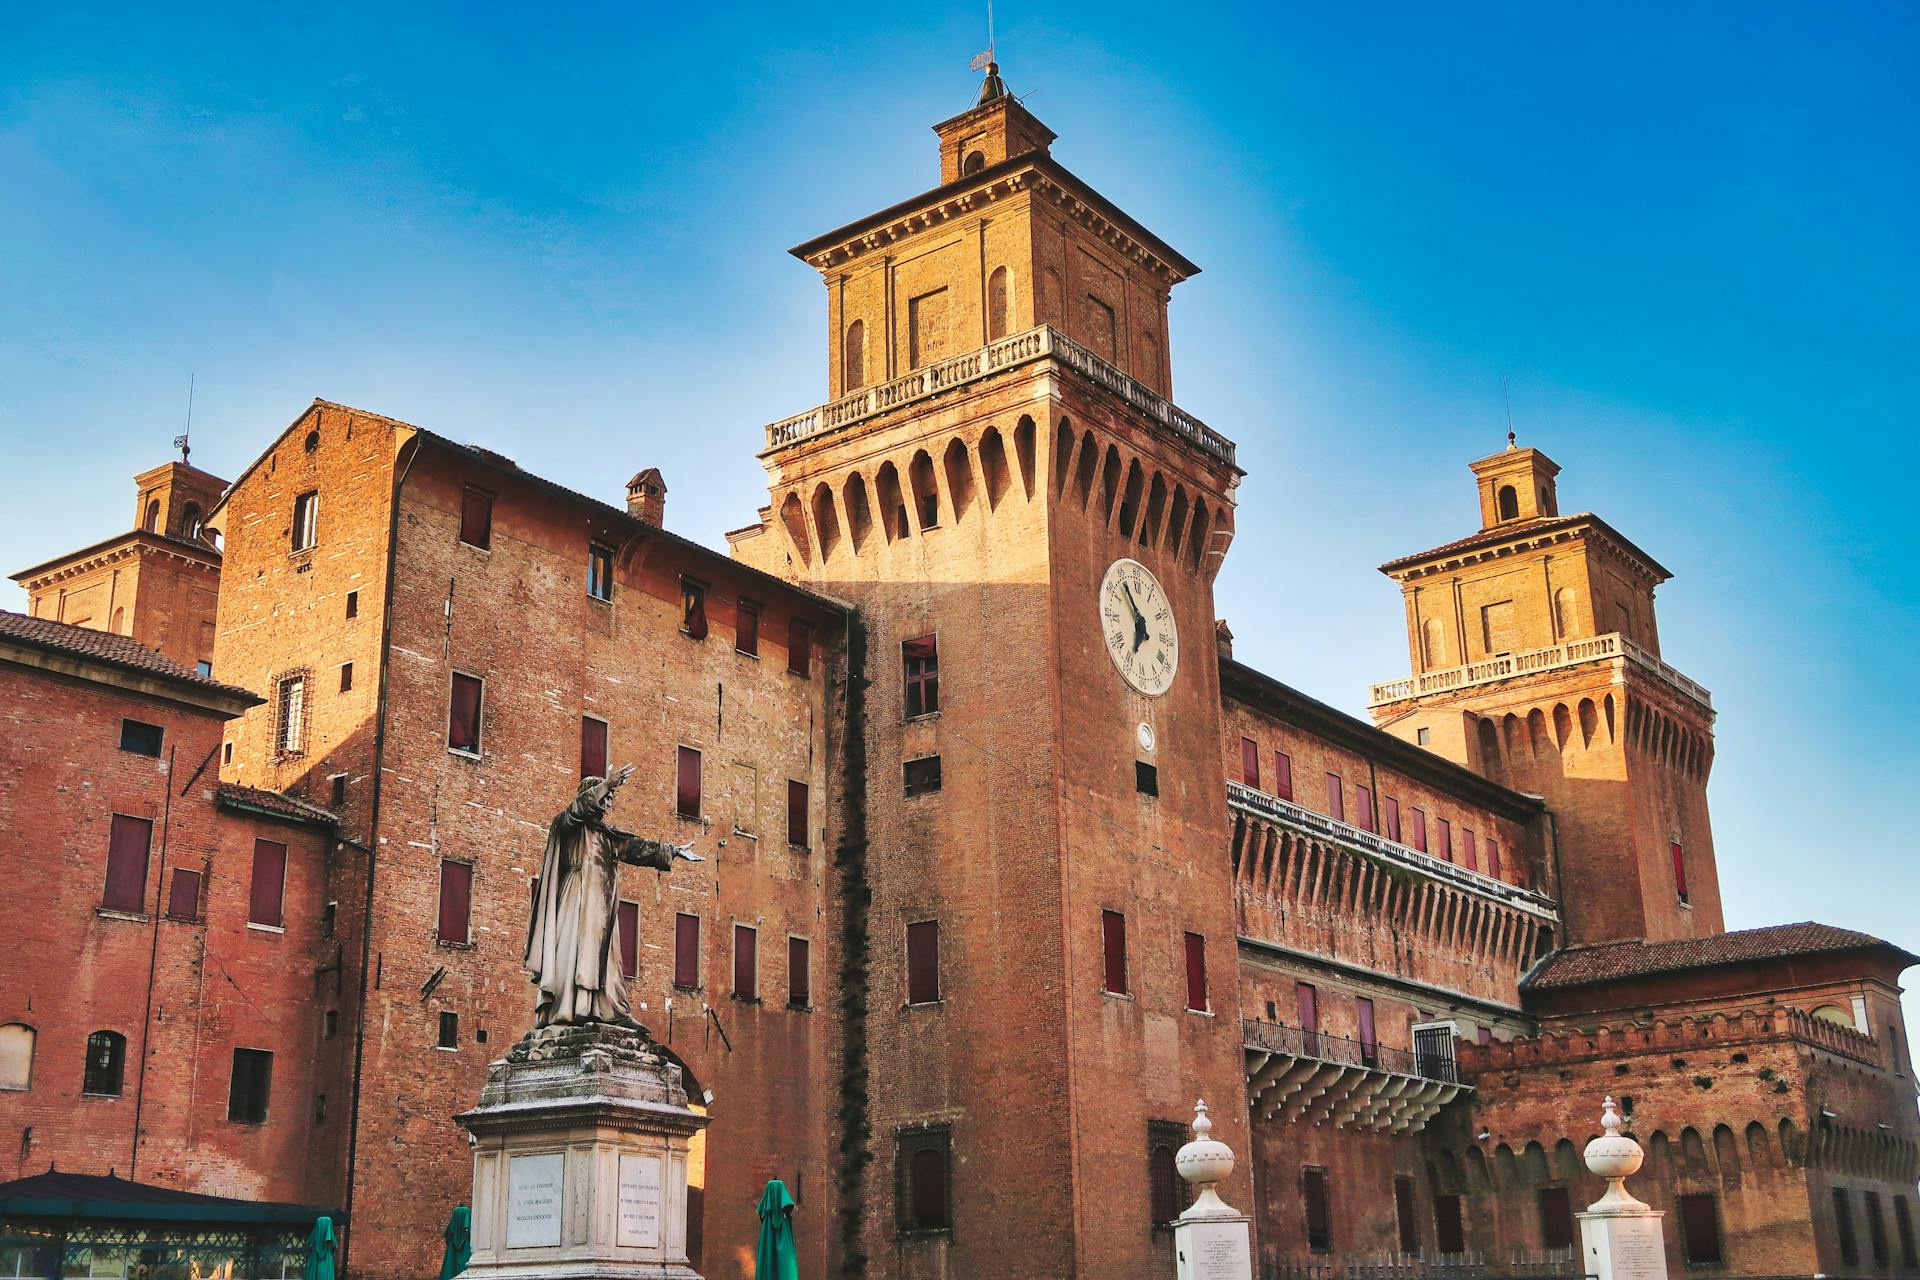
1137	624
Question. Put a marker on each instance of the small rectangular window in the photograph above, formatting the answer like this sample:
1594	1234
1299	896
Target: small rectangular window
1556	1219
1196	955
337	790
628	916
1146	778
746	962
799	974
1699	1226
464	712
693	607
1876	1228
1420	830
1313	1192
1306	1007
1446	838
1493	858
686	796
204	668
1250	762
346	677
800	647
455	920
797	824
1283	775
1369	1040
226	753
183	895
353	604
1392	808
746	627
1404	1214
1113	941
1843	1225
290	711
267	895
1903	1227
1363	807
923	962
920	660
923	1198
1469	851
593	747
306	520
140	738
252	1083
1423	737
449	1030
1679	869
686	951
1449	1230
476	518
922	775
599	571
329	1024
1336	798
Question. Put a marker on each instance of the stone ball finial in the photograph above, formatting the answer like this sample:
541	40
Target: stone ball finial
1615	1157
1204	1162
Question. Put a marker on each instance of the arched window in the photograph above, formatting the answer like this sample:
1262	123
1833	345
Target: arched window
16	1056
997	286
106	1062
152	523
1835	1014
1509	502
974	163
927	1173
190	520
853	361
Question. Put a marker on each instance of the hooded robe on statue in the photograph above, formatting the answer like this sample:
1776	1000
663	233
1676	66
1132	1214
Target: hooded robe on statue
574	927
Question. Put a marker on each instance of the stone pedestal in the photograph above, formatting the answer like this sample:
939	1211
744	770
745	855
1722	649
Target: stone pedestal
580	1160
1211	1241
1623	1246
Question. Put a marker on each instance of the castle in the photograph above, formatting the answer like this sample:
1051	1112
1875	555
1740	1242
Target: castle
1009	860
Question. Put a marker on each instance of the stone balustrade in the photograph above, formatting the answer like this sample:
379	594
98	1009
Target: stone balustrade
1553	657
1043	342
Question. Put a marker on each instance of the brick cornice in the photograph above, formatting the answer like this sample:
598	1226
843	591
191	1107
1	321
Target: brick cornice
133	545
194	695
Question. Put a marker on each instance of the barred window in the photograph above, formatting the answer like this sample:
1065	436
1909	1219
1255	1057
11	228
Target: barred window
1167	1192
251	1084
923	1193
290	714
106	1063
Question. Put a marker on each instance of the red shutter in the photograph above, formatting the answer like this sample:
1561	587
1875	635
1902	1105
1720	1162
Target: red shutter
927	1176
1336	798
127	864
1307	1004
183	895
686	950
1403	1211
1196	972
800	647
264	903
693	609
456	902
923	962
1484	1035
1556	1218
746	962
593	747
1446	838
1393	819
1250	762
1493	859
687	792
1319	1222
1113	933
1283	775
463	714
1420	830
797	814
746	627
799	973
1368	1041
1363	812
1679	870
476	518
1472	855
629	914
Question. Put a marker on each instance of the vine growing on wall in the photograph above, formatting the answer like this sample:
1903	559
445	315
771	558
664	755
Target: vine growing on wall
856	897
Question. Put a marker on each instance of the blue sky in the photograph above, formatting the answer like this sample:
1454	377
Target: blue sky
1684	234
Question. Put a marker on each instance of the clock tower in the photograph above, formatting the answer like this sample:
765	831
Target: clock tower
1030	529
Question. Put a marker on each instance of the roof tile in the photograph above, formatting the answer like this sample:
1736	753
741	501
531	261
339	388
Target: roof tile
105	646
1607	962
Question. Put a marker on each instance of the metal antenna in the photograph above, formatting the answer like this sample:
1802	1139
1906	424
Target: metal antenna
180	441
1507	392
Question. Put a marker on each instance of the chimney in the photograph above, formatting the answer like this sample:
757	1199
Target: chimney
1223	637
647	498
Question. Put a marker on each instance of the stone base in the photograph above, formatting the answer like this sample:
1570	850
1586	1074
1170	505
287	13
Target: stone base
1623	1246
1214	1248
580	1159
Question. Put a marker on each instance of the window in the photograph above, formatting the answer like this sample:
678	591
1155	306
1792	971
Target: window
338	788
628	917
599	571
106	1062
920	659
1369	1039
1449	1232
1493	858
800	647
1843	1224
127	846
330	1024
593	747
693	608
997	304
449	1030
1146	778
463	713
183	895
799	974
1876	1228
1283	775
686	792
476	518
456	903
1336	798
686	951
746	628
1363	807
1313	1192
922	775
746	962
797	815
306	518
290	707
252	1082
203	668
1446	838
140	738
1420	830
1113	941
1679	870
353	604
1509	502
1472	857
16	1056
1699	1227
1167	1191
923	1198
265	898
1556	1220
1403	1212
1392	807
1306	1007
1196	951
1250	762
1903	1225
226	753
923	962
853	363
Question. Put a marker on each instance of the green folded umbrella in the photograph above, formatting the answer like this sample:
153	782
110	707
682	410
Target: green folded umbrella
459	1234
776	1259
321	1248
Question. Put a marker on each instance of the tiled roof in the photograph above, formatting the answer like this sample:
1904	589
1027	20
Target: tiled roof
1517	531
1607	962
103	646
286	806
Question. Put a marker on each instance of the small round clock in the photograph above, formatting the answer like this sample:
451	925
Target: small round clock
1137	624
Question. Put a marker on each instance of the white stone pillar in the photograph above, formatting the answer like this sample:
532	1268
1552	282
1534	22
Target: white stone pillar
1620	1238
1211	1241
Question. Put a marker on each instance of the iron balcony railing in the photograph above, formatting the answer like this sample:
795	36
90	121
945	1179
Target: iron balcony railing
1432	1057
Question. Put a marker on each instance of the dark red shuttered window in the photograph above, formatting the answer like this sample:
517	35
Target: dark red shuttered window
1283	775
1196	972
1393	819
1404	1211
1306	1002
800	647
1250	762
1843	1224
1363	807
923	962
1313	1189
1113	936
693	608
927	1195
127	864
1556	1218
746	627
746	961
799	973
476	518
1700	1228
797	814
183	895
266	900
921	660
1449	1231
686	800
629	913
593	747
1471	854
686	950
456	902
463	713
1369	1041
1493	858
1420	830
1336	798
1446	838
1679	869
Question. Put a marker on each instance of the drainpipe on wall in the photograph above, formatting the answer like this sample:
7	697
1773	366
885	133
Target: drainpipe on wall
153	964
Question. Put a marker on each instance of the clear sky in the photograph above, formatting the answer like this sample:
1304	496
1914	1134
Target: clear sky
1685	234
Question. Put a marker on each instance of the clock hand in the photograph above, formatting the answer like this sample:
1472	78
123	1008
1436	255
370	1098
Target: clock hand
1139	619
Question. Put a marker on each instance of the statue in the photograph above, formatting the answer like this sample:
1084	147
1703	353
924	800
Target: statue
572	931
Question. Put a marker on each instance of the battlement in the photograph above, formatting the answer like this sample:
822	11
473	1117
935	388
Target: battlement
1743	1026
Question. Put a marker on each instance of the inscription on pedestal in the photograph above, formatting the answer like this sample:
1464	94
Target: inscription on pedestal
1213	1251
533	1200
1639	1253
639	1225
